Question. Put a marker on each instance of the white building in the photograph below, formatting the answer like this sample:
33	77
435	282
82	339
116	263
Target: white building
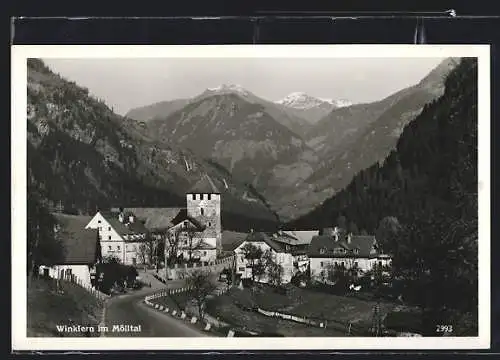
201	214
297	243
344	250
122	236
81	250
265	243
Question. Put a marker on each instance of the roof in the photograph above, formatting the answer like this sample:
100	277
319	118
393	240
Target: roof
328	243
302	237
182	216
137	227
80	245
263	237
232	239
156	218
204	186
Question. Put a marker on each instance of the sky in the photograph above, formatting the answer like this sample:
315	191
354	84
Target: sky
128	83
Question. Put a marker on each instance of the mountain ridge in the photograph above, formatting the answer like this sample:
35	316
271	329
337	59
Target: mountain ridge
82	153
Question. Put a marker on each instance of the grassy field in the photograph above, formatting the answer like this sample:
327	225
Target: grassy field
48	308
339	311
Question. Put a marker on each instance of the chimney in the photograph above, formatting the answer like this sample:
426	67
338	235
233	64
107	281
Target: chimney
120	217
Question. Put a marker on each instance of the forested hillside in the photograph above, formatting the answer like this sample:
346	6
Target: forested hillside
434	164
83	155
425	199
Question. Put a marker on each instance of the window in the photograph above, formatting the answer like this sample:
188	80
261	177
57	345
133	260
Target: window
109	247
118	247
356	251
209	224
194	196
109	228
321	264
322	250
204	253
98	221
109	237
356	264
209	196
242	268
201	211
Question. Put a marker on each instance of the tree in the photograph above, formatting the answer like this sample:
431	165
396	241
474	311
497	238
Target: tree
193	242
387	232
342	222
201	286
43	248
111	259
353	228
172	244
150	250
438	253
253	255
274	270
142	253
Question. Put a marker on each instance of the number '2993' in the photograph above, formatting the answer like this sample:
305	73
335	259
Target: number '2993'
444	328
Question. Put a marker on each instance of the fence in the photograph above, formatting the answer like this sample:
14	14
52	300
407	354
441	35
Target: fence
206	325
93	291
179	272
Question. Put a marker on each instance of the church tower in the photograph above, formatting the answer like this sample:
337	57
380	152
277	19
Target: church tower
204	204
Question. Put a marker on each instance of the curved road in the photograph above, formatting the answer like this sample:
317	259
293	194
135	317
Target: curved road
131	310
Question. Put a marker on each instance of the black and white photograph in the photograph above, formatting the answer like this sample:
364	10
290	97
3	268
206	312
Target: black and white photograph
239	197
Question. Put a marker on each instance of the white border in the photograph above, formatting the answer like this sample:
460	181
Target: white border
18	108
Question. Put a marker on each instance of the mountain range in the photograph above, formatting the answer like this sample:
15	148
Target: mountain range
82	154
270	159
297	151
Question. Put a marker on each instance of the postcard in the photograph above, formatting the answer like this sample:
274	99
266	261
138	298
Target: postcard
240	197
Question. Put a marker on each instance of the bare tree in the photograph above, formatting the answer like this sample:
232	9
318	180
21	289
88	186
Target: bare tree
142	252
274	270
172	248
253	255
151	245
201	285
193	242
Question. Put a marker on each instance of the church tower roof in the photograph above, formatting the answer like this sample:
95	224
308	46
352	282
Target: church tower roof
204	186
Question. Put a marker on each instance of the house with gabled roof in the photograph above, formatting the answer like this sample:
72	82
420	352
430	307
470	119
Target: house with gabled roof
81	250
198	225
121	235
265	242
341	249
297	244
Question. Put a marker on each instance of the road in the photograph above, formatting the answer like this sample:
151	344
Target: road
130	309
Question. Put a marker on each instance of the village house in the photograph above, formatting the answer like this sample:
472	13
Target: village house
336	247
297	244
122	235
197	228
266	243
81	250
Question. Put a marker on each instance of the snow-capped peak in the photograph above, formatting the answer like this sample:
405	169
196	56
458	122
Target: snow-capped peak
337	103
229	88
301	100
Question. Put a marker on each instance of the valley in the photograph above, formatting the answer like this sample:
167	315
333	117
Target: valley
298	151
